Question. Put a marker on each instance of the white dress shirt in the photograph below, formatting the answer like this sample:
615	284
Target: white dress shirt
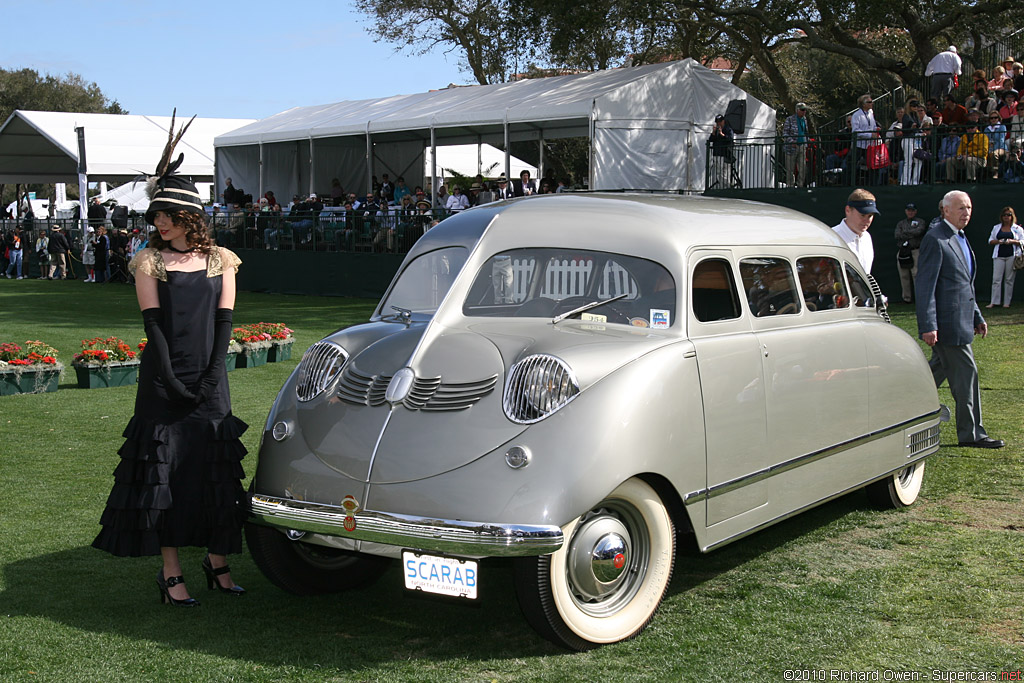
861	245
945	62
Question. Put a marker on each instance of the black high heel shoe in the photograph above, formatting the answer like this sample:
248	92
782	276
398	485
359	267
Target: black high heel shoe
211	578
165	595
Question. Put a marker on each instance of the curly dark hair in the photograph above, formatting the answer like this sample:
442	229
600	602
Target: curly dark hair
197	232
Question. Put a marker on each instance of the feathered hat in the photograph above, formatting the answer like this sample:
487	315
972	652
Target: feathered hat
167	191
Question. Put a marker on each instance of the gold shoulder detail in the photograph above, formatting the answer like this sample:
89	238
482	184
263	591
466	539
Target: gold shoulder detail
221	259
150	262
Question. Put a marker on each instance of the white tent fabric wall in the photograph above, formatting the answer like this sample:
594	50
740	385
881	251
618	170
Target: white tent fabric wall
649	126
465	160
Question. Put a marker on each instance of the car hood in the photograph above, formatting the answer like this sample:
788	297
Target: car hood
452	413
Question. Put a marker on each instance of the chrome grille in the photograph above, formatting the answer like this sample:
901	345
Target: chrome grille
923	440
526	401
426	393
360	389
319	368
876	293
458	396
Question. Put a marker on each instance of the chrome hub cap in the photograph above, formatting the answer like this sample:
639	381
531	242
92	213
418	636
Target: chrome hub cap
606	559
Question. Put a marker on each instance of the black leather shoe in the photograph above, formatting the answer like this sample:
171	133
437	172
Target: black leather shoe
984	442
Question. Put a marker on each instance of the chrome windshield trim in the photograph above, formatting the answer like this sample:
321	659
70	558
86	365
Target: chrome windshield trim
807	458
442	535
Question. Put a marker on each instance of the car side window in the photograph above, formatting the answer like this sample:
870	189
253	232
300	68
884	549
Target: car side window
860	292
822	283
770	286
714	291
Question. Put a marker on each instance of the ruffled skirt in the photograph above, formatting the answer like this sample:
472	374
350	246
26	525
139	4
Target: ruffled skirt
177	484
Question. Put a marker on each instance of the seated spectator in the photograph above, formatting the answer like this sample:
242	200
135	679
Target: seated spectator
949	141
271	199
954	114
931	108
982	100
301	220
1011	170
1018	76
457	201
998	76
971	154
1008	114
997	143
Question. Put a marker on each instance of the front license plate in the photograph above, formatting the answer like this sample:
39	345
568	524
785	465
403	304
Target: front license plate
450	576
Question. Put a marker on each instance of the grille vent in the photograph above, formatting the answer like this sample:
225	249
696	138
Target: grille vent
923	440
431	393
319	368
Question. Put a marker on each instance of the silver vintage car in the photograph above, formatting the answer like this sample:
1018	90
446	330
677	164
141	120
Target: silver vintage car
577	382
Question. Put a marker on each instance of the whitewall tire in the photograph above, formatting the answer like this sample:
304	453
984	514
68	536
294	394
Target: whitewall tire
899	489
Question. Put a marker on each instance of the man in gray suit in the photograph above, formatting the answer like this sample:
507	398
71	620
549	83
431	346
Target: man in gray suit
948	316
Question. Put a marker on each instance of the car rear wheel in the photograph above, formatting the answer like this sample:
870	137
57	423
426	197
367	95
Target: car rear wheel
606	582
897	490
307	569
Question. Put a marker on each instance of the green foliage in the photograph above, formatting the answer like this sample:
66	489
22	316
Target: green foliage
26	89
934	587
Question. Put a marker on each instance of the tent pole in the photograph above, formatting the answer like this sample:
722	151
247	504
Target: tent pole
83	180
540	158
591	175
433	166
312	167
369	160
261	169
479	155
508	153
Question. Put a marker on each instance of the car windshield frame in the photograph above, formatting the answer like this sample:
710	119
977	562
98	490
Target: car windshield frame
423	284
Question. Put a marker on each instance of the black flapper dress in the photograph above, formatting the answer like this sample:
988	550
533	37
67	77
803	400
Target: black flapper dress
179	479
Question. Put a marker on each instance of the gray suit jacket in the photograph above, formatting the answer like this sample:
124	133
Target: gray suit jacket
945	288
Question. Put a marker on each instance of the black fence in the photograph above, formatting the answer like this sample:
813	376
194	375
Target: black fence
832	160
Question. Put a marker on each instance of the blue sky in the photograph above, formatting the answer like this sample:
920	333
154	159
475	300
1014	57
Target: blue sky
217	58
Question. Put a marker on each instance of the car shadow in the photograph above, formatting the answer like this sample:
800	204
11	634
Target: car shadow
94	592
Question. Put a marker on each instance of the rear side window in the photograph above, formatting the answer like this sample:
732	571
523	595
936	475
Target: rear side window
860	292
770	286
714	291
821	283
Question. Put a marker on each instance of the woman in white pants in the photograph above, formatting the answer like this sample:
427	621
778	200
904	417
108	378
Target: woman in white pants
1007	238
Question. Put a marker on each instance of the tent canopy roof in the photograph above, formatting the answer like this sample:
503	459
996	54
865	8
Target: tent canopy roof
42	146
542	105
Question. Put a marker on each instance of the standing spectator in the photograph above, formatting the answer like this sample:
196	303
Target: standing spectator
948	316
387	190
1006	238
860	212
42	242
504	191
525	187
337	193
401	189
943	68
58	248
912	122
864	126
89	253
795	135
102	255
931	108
909	232
441	199
97	214
15	252
722	158
232	195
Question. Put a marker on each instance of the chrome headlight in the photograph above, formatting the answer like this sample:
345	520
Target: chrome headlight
320	366
538	386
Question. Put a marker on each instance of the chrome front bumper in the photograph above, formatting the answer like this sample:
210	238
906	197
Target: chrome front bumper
439	535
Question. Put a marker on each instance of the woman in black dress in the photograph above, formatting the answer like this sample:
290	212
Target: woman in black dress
179	479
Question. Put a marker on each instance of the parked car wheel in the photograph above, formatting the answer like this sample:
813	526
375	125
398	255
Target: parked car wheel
606	582
307	569
898	490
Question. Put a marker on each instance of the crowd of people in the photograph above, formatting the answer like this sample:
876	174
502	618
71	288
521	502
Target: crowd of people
388	218
942	138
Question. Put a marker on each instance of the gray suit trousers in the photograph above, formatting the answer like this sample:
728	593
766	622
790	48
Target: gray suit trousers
956	363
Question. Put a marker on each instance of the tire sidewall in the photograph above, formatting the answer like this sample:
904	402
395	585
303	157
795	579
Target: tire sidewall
638	612
906	495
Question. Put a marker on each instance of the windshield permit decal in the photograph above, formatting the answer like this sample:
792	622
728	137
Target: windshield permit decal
660	318
594	318
639	322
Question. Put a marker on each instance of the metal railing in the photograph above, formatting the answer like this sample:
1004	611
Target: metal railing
836	160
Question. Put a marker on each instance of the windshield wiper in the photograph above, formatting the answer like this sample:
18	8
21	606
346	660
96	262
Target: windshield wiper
586	307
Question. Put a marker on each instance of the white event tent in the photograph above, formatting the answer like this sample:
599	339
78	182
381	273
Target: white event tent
647	128
42	146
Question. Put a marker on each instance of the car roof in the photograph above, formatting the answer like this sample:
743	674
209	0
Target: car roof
646	225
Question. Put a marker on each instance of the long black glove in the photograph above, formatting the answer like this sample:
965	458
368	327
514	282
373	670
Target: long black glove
221	336
152	317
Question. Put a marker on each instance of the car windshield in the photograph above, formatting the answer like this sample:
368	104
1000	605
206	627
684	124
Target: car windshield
424	283
548	283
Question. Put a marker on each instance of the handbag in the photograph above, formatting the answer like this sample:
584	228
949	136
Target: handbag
1018	263
878	156
922	154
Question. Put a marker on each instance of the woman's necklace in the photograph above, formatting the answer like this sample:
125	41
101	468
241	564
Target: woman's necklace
182	251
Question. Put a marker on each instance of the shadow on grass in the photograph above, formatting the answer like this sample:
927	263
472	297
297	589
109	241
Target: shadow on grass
369	627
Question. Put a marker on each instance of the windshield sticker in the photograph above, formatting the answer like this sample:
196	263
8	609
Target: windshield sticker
594	318
659	318
638	322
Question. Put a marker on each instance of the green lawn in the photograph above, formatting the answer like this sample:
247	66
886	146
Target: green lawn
936	587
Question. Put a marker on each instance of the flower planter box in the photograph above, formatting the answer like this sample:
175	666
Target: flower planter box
28	381
231	361
104	376
252	358
280	352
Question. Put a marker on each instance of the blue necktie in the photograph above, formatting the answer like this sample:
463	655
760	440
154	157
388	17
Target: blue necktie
966	250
